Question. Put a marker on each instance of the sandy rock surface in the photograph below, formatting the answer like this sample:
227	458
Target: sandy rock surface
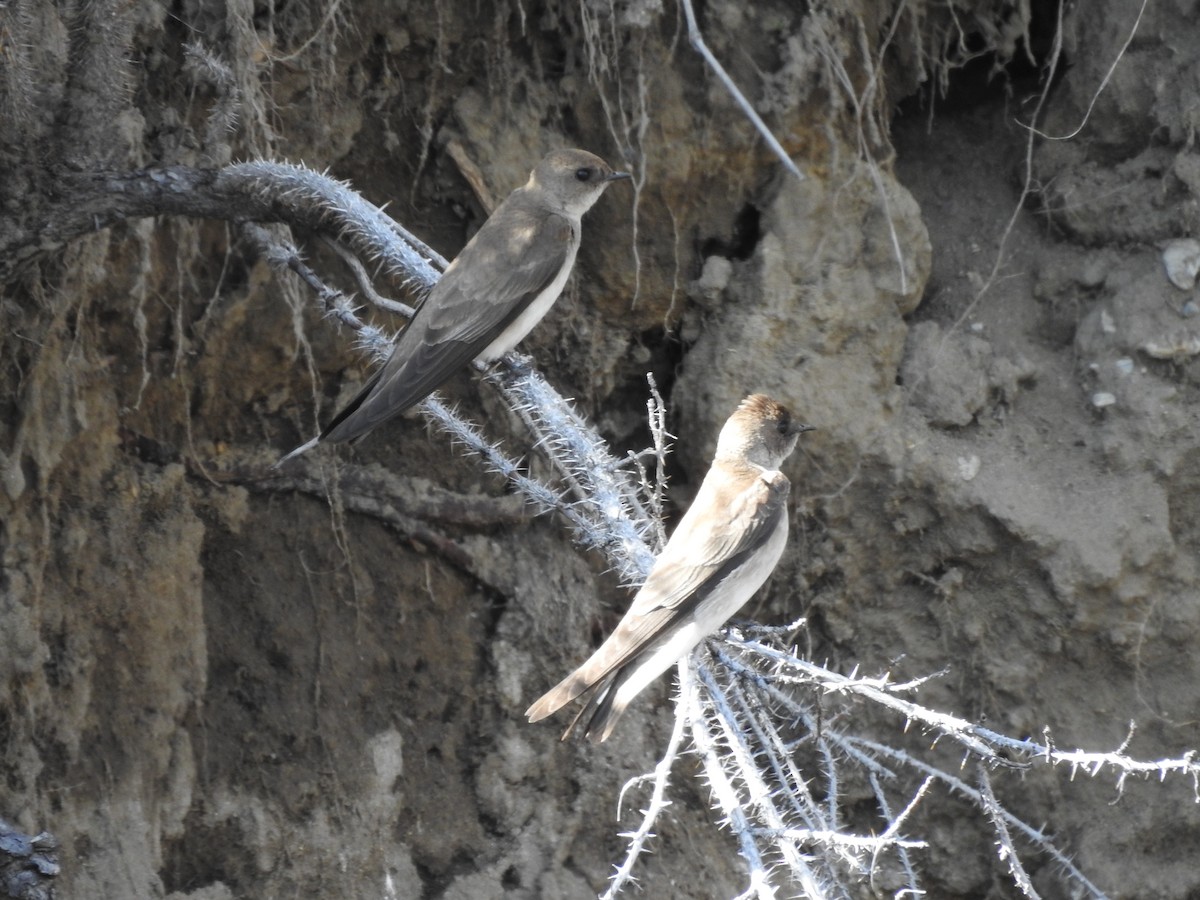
216	682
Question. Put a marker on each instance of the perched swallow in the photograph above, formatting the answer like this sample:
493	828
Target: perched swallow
726	545
500	286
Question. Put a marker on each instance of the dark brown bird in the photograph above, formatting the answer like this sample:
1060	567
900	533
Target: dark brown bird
726	545
497	289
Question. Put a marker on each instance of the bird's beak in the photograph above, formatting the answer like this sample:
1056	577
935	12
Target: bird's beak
800	428
618	176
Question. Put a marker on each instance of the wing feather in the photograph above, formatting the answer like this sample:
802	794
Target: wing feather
484	289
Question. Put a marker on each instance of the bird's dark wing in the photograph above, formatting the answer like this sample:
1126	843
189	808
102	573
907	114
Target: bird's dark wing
498	274
512	259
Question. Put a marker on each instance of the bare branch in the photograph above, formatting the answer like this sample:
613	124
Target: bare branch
658	802
697	41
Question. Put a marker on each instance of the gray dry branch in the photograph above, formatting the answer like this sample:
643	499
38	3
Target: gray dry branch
779	738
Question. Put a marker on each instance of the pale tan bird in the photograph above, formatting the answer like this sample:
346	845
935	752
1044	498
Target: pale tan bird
497	289
724	548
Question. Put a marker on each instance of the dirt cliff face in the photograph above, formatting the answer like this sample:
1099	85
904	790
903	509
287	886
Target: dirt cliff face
220	683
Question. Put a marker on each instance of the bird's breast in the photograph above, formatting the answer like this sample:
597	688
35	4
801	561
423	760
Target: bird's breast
534	311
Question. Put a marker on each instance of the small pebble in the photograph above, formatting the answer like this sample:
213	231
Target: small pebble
1125	365
1101	399
1094	273
968	467
1107	325
1182	261
1177	346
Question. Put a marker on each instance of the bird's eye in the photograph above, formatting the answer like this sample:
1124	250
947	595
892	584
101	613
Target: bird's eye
583	174
782	426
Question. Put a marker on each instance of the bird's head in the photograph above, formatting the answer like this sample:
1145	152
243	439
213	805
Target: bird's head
761	431
572	180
